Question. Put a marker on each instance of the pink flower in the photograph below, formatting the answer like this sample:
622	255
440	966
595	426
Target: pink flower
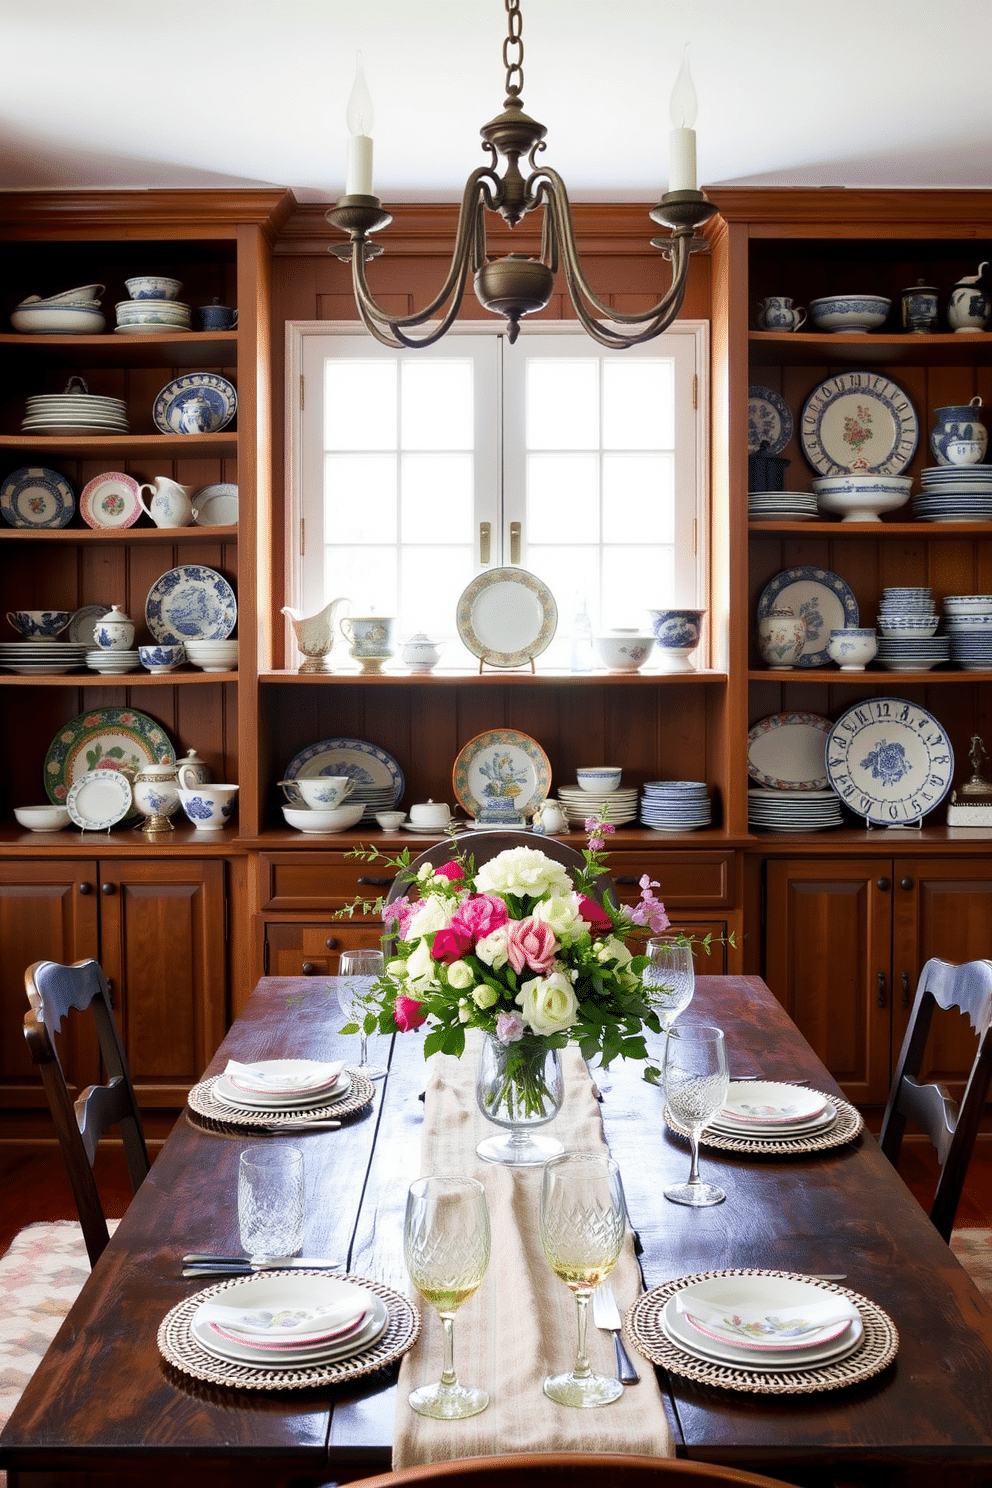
451	944
408	1014
450	871
480	915
509	1027
650	911
594	915
399	914
598	832
530	943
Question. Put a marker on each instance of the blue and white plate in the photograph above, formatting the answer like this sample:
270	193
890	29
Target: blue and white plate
890	761
371	768
823	600
191	603
36	497
858	416
196	403
769	422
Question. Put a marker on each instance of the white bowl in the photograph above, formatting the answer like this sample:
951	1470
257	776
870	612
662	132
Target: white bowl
325	792
599	780
390	821
152	287
305	819
67	320
624	650
213	656
42	818
967	604
83	294
861	498
849	313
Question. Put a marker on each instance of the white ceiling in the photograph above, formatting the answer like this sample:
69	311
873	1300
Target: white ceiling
226	93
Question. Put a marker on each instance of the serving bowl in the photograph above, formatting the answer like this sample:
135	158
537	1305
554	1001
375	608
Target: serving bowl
324	819
861	498
42	818
58	320
213	656
908	627
85	294
601	780
152	287
849	314
624	650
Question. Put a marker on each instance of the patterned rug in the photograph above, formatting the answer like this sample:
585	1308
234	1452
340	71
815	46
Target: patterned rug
973	1249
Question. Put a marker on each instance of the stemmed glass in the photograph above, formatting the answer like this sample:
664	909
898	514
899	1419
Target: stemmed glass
582	1229
696	1082
446	1245
669	979
358	972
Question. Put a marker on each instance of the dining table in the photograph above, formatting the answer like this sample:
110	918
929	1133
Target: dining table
105	1407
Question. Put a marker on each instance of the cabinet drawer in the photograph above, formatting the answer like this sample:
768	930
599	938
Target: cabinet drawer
316	881
700	880
294	949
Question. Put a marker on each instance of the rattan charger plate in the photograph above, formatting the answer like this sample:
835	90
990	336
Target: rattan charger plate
878	1347
178	1346
847	1126
202	1100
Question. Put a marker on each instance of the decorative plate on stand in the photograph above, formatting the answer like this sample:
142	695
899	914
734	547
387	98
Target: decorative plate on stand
890	761
501	768
506	617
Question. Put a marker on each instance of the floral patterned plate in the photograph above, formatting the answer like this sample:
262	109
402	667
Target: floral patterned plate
110	500
823	600
502	770
104	739
36	497
890	761
858	420
769	422
787	751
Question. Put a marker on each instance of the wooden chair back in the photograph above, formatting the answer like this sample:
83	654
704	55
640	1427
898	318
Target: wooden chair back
950	1127
569	1470
53	991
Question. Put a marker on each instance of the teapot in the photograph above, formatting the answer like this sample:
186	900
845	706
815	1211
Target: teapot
169	505
315	634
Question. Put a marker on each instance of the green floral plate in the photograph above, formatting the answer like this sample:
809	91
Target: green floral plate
502	770
104	739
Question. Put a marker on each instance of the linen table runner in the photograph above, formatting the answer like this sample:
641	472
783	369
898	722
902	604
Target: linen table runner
520	1326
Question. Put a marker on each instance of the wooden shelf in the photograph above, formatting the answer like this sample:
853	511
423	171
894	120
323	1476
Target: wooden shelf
173	349
126	679
924	530
490	678
834	677
125	446
116	535
815	349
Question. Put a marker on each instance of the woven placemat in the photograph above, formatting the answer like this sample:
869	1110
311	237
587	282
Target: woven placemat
180	1348
878	1346
202	1100
847	1126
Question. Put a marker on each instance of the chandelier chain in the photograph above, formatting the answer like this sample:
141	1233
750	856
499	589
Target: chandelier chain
513	50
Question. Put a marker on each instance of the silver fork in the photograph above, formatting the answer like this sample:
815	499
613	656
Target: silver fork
606	1315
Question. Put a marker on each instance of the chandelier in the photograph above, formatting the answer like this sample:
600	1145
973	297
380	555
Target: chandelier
516	284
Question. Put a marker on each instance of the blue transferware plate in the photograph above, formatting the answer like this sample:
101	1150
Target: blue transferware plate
197	403
769	422
366	764
890	761
823	600
191	603
36	497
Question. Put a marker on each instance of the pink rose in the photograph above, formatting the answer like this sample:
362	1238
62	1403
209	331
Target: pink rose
480	915
530	943
450	871
594	915
451	944
509	1027
408	1014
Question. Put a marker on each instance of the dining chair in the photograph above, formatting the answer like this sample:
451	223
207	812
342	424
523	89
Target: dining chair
568	1470
952	1128
53	991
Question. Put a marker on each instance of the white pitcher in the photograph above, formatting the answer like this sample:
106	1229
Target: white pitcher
170	505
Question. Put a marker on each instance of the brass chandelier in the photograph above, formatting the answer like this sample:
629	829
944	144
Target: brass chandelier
515	284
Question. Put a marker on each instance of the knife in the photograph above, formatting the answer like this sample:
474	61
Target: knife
208	1265
606	1315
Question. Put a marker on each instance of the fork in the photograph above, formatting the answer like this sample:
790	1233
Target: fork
606	1315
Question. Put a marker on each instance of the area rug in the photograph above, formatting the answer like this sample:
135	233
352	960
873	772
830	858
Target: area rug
973	1249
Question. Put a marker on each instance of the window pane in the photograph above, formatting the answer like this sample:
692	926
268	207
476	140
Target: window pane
438	405
562	490
431	582
563	403
636	579
437	498
365	576
572	575
360	498
638	497
360	405
638	404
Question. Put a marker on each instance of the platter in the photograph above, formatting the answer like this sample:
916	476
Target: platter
787	751
501	766
858	420
197	403
191	603
99	800
890	761
215	506
506	617
110	500
36	497
821	598
104	739
364	763
769	422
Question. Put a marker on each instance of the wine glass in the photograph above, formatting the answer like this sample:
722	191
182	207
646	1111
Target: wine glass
696	1082
669	979
446	1245
582	1229
358	972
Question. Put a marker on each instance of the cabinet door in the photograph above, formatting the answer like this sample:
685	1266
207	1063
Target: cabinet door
294	949
713	962
162	943
828	954
48	911
941	908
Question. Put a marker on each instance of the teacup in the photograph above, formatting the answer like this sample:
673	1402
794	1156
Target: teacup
39	625
325	791
209	807
217	318
430	814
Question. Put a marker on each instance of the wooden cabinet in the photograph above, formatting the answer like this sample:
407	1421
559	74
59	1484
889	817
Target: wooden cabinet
845	942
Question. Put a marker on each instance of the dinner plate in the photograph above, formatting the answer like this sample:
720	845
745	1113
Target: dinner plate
771	1102
229	1095
763	1130
787	751
501	768
366	764
196	403
858	417
276	1077
104	738
754	1294
215	506
823	600
99	800
769	421
309	1291
35	497
191	603
506	617
110	500
890	760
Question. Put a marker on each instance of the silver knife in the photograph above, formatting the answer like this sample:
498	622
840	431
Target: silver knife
606	1315
243	1266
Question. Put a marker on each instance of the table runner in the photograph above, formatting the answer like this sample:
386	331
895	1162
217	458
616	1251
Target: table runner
520	1326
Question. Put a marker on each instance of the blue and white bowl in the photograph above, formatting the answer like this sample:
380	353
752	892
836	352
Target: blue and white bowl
849	314
677	633
153	287
161	658
209	807
39	625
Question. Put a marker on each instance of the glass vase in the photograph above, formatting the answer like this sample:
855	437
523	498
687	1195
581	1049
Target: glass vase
519	1087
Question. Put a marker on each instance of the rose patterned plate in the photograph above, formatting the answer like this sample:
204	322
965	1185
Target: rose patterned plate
890	761
104	739
858	420
110	500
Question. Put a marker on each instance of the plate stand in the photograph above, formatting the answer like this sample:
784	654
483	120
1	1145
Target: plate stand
915	826
483	659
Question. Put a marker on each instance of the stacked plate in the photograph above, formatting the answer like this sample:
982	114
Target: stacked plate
781	506
954	493
41	658
137	317
794	811
76	411
289	1086
112	663
283	1321
617	807
771	1110
74	312
676	805
968	622
913	656
907	620
378	780
373	798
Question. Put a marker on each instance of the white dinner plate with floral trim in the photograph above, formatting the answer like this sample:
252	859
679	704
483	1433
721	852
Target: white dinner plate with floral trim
769	421
99	800
771	1102
822	599
36	497
366	764
215	506
191	603
506	617
196	403
859	417
501	768
110	500
104	739
788	751
753	1296
890	761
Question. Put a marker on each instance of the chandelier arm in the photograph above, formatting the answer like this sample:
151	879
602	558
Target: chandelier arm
386	330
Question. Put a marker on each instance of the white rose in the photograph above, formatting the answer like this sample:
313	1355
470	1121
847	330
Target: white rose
396	969
464	1011
561	915
420	970
523	871
432	913
548	1003
614	950
484	996
492	948
460	975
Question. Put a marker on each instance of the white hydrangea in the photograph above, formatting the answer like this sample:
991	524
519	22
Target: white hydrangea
492	948
523	871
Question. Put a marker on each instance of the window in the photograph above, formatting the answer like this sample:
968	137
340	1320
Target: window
411	472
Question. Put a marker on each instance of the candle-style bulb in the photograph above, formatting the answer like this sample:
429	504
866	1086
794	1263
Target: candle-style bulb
361	115
684	105
682	140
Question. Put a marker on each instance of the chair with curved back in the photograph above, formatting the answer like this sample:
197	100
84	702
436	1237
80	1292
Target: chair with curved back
568	1470
54	991
951	1128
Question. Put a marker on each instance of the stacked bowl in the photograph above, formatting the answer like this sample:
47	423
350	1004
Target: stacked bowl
153	307
74	312
908	623
213	656
968	622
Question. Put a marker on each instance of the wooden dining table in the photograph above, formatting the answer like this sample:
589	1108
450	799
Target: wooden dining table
104	1407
